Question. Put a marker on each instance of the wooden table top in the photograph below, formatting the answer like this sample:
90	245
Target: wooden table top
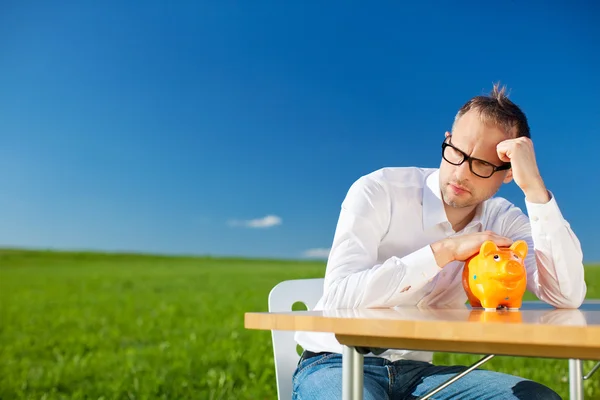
537	329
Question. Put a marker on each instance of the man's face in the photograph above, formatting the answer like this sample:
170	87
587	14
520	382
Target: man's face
459	186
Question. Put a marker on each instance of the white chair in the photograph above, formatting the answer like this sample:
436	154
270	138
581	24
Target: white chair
281	298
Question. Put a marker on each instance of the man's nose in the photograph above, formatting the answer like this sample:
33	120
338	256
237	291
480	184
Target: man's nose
463	170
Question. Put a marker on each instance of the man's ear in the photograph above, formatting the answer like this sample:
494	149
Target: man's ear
508	177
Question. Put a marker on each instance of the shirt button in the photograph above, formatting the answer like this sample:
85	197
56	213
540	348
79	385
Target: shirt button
535	218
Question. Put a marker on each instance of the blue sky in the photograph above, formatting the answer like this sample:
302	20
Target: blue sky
164	128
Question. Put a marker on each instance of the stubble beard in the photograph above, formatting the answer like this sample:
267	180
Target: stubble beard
471	201
456	203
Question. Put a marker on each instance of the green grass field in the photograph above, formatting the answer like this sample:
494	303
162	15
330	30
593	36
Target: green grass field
76	325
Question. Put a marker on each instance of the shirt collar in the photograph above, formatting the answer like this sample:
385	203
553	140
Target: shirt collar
478	218
433	205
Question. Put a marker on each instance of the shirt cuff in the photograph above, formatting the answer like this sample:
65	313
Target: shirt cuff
544	217
421	263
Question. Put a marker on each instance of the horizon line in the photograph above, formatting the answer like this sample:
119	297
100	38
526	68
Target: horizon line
139	253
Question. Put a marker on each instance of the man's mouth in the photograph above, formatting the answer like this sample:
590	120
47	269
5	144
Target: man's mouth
458	189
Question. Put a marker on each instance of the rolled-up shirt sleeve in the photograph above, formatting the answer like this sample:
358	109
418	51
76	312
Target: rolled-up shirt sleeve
555	270
354	278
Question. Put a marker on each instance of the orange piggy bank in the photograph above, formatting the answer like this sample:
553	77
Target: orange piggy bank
495	276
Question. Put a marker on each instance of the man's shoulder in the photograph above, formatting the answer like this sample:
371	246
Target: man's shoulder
498	207
389	185
398	176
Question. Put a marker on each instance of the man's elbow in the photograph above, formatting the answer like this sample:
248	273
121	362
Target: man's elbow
569	302
574	299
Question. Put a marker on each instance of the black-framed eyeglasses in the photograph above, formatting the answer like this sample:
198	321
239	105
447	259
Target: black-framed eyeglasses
481	168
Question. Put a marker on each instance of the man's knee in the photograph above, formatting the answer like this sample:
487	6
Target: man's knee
534	391
517	387
481	382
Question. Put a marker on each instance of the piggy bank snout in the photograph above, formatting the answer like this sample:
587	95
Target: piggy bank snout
513	269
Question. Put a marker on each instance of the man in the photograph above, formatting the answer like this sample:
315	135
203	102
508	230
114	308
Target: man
402	237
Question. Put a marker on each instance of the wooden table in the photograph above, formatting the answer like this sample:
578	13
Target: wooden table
536	330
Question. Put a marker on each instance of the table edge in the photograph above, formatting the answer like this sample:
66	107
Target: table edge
512	333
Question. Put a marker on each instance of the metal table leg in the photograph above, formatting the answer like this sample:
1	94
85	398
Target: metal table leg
575	379
352	374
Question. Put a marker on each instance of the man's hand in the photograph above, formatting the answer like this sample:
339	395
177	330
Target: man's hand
519	152
459	248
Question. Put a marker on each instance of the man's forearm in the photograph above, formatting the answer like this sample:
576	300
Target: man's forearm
394	282
555	261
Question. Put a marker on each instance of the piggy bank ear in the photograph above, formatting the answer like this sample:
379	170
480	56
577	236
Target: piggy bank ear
487	248
520	248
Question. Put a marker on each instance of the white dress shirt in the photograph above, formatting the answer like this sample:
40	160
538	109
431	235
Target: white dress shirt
381	254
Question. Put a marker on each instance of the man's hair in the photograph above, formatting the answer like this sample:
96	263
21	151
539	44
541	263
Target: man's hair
497	109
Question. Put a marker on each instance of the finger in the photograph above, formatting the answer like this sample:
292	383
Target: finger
503	157
502	241
498	239
504	151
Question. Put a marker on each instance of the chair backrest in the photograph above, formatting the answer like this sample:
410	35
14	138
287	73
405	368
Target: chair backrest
281	298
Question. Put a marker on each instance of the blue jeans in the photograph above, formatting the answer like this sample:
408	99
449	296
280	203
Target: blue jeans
320	377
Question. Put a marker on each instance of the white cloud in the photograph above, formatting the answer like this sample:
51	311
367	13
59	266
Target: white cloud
265	222
317	253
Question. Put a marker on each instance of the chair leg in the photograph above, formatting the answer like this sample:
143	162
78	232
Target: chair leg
457	377
575	379
588	376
